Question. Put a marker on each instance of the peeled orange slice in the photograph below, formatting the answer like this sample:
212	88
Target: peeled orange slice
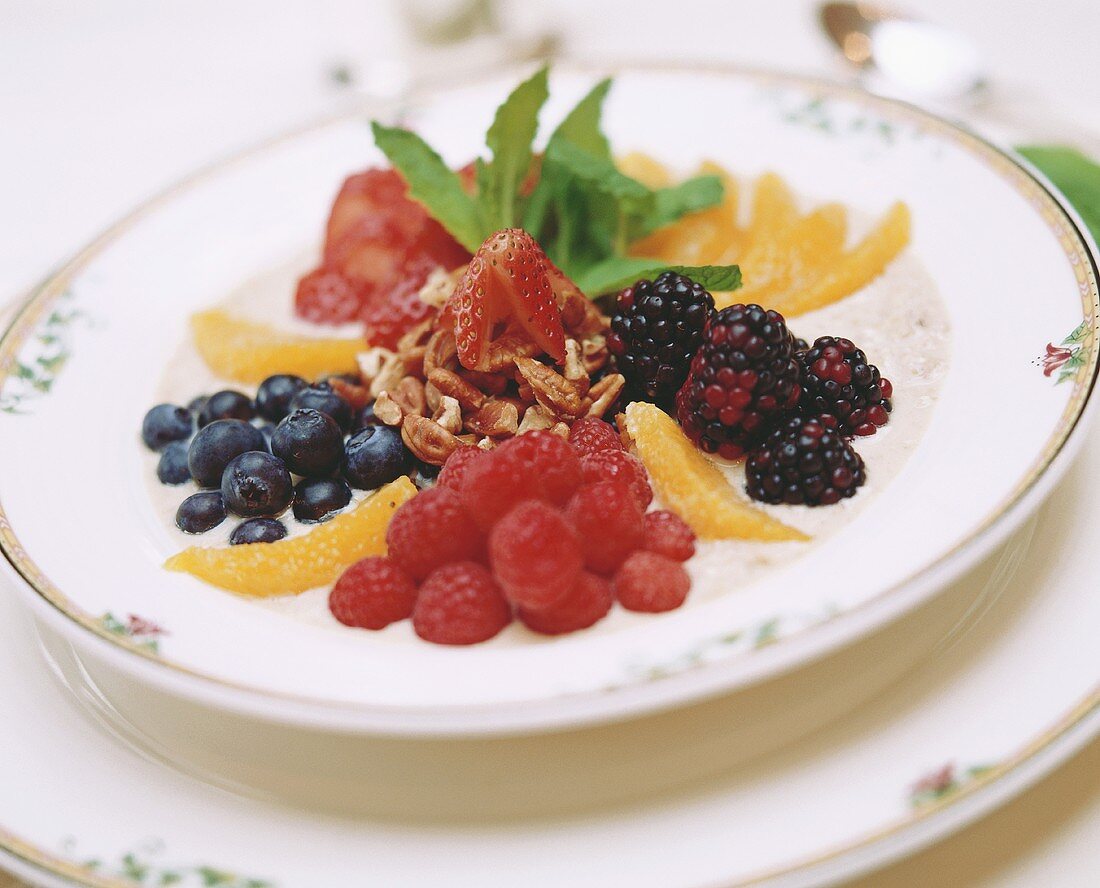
694	487
295	565
645	168
245	351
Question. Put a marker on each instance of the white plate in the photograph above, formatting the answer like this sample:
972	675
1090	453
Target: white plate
81	365
680	800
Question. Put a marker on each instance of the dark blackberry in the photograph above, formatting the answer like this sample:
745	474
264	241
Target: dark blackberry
743	380
655	333
840	387
800	344
803	462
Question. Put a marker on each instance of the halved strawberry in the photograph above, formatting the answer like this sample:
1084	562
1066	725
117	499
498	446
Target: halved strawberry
509	279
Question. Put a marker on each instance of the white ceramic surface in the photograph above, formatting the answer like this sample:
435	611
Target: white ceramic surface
989	234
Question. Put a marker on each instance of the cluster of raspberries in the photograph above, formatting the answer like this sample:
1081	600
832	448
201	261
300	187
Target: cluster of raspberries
541	529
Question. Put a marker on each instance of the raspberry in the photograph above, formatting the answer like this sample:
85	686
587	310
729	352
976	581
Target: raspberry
609	522
386	318
460	603
325	296
743	379
371	594
666	533
550	459
454	469
651	583
492	486
840	387
590	435
656	332
430	530
804	462
618	465
535	554
585	604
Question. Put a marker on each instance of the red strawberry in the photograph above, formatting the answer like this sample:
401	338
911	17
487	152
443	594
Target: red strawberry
509	279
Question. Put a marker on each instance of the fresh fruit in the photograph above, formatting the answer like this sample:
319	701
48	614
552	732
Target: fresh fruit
275	393
200	512
386	320
257	530
508	279
773	210
743	379
304	562
666	533
321	397
217	444
226	404
257	483
454	469
460	603
842	388
584	605
372	593
172	465
328	296
309	442
432	530
268	431
318	499
693	486
246	351
855	268
196	404
609	522
655	333
375	456
804	463
552	464
617	465
365	418
589	435
535	554
164	424
645	168
651	583
424	475
493	485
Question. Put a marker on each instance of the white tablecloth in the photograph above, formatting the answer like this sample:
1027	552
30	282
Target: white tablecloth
104	103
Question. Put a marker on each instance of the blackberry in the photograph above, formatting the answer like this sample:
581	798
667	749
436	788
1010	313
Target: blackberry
803	462
743	381
840	387
656	332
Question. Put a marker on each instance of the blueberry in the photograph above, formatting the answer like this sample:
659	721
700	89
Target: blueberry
275	393
317	499
226	404
366	418
172	467
257	530
375	456
218	443
322	397
195	405
425	475
268	431
200	512
257	483
164	424
309	442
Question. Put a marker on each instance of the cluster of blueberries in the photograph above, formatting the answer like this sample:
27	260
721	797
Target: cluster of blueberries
296	445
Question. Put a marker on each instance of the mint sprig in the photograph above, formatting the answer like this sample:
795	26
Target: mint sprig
583	210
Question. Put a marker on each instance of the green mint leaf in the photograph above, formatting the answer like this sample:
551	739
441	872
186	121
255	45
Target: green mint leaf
433	183
622	271
689	196
509	138
581	126
1075	175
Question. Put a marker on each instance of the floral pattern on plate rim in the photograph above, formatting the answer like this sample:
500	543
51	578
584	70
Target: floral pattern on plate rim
945	781
1068	357
143	632
140	867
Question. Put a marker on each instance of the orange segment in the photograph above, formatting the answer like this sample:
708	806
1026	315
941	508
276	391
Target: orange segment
693	486
245	351
645	168
773	209
306	562
855	268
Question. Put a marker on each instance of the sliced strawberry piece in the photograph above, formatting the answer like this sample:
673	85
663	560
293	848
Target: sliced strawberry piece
508	279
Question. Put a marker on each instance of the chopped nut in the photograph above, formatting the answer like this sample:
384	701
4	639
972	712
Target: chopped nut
410	395
496	419
467	440
356	395
428	440
449	415
452	385
372	361
440	285
414	360
574	367
550	388
582	318
433	396
388	410
390	374
506	349
442	352
490	383
486	444
604	393
536	417
561	430
417	335
595	354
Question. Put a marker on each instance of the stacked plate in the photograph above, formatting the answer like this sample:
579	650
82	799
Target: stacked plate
912	670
